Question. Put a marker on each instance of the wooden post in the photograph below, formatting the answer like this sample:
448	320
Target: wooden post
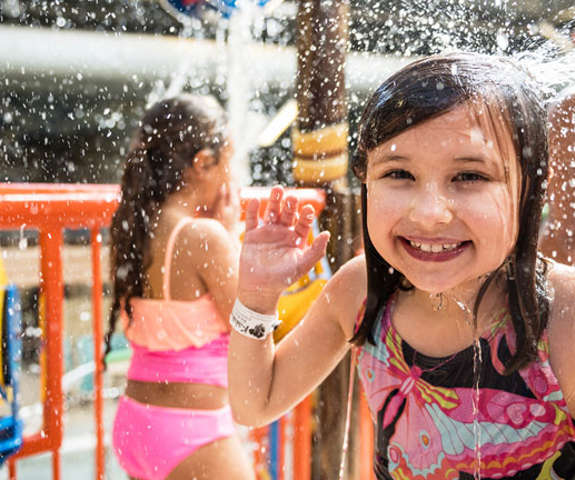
558	240
321	160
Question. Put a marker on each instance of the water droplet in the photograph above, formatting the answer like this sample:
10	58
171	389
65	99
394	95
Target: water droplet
502	40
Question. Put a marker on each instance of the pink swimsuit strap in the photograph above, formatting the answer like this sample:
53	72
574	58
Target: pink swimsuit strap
169	253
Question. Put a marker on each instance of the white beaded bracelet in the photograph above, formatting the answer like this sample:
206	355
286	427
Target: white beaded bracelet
252	324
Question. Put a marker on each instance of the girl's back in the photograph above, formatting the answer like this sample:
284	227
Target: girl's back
181	315
174	272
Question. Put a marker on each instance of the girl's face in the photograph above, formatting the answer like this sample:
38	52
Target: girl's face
442	199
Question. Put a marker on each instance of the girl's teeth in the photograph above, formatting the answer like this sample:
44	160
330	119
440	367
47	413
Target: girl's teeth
426	247
433	248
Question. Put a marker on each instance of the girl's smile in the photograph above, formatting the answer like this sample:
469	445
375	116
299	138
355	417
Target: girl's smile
442	199
434	249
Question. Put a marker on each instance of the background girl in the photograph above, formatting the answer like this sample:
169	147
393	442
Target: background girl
464	332
174	256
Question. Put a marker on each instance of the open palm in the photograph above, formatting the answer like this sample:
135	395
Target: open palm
274	253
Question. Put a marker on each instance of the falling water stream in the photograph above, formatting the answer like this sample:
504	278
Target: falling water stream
233	39
191	28
477	362
239	88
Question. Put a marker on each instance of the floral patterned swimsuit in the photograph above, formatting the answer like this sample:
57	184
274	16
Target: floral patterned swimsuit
432	423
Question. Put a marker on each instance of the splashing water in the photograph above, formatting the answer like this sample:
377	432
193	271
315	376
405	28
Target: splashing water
239	86
192	28
345	447
23	241
233	39
477	363
477	359
553	71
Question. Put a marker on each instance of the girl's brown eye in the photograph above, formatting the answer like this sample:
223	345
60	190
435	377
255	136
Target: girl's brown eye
399	175
470	177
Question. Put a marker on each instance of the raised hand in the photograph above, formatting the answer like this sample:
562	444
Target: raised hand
274	253
227	206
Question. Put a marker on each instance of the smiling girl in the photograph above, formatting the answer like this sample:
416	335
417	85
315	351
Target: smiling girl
464	332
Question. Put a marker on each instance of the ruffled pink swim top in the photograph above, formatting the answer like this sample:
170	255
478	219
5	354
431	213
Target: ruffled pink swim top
172	324
174	340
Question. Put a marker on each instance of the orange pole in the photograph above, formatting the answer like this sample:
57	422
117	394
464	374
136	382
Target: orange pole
53	288
96	240
36	443
282	446
259	436
366	440
56	463
302	440
12	469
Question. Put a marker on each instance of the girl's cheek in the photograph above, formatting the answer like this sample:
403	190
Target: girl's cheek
385	199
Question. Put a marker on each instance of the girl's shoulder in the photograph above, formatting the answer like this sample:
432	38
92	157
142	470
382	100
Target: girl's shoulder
191	232
193	241
561	280
561	286
562	329
351	275
347	290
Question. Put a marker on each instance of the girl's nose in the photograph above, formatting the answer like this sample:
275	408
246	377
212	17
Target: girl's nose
430	207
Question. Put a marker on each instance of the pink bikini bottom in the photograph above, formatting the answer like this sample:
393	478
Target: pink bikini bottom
151	441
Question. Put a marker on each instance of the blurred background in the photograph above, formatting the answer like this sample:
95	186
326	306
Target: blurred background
76	76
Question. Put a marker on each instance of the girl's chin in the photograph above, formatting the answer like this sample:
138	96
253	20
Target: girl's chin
434	288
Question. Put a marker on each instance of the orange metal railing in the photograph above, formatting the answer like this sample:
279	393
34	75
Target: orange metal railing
50	208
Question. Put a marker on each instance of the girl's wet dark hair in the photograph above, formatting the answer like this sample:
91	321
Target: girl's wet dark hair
171	133
427	89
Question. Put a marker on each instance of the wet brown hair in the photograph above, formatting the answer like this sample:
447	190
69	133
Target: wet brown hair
427	89
171	133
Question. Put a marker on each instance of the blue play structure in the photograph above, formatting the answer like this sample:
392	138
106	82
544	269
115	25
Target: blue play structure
10	356
193	7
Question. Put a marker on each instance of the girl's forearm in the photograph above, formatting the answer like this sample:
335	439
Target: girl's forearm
250	372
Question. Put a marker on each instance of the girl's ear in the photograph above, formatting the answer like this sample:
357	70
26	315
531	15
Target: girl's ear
203	161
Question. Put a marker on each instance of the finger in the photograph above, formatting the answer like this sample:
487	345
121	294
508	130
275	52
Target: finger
220	195
289	211
252	214
227	194
304	223
274	204
314	253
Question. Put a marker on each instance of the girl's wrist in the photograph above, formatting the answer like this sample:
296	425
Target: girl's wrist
252	324
258	301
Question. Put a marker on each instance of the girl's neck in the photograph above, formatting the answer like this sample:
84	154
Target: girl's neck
188	201
440	332
457	306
